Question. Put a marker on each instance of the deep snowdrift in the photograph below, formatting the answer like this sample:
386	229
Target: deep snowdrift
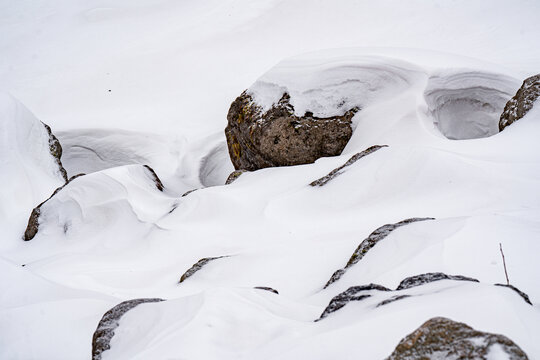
173	68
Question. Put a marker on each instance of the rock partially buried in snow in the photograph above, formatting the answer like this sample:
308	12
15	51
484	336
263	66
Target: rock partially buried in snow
354	293
442	338
233	176
277	137
521	103
198	266
33	222
422	279
109	322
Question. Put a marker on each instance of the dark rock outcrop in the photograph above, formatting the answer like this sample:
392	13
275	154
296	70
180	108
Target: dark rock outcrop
189	192
337	171
354	293
368	243
233	176
392	299
442	338
56	151
266	288
109	322
33	222
155	178
521	293
198	266
422	279
521	103
278	137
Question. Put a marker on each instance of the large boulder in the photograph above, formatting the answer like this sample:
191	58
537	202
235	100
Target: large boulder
277	137
521	103
441	338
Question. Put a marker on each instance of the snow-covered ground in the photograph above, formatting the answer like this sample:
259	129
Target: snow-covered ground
130	83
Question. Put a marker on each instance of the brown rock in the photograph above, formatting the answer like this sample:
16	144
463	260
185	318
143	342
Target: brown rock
278	137
441	338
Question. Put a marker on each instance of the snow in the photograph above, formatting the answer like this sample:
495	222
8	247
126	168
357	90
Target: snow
173	69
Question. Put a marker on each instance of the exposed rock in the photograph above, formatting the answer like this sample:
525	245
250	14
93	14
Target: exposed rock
109	322
33	222
56	151
278	137
368	243
337	171
422	279
392	299
521	103
441	338
188	192
521	293
354	293
157	181
233	176
267	289
198	266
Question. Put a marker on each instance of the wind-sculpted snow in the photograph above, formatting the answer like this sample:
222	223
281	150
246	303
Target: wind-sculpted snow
215	166
468	104
330	86
355	293
369	243
30	166
99	200
111	320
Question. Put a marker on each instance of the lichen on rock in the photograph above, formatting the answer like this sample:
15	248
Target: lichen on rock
442	338
521	103
277	137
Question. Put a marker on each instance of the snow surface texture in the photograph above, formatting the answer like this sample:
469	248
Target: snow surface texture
173	69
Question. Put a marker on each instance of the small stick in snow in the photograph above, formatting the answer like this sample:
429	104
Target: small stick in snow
504	263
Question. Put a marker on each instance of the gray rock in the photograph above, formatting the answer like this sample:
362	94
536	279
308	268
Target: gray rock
278	137
56	151
109	322
521	293
198	266
369	243
392	299
354	293
33	222
441	338
155	178
521	103
422	279
187	193
338	171
233	176
266	288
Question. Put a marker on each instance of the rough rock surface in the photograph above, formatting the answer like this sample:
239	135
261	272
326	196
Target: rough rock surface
278	137
109	322
233	176
354	293
33	222
368	243
521	293
392	299
337	171
153	175
198	266
442	338
422	279
266	288
521	103
56	151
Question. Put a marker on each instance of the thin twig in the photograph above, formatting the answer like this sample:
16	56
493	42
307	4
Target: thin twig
504	263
